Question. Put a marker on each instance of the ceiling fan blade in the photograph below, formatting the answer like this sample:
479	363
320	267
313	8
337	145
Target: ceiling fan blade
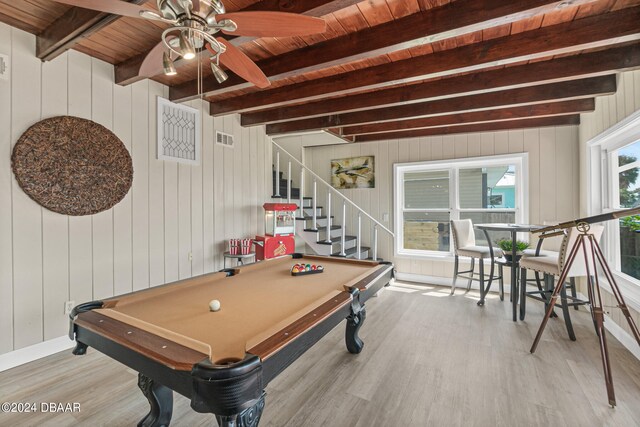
273	24
152	64
235	60
116	7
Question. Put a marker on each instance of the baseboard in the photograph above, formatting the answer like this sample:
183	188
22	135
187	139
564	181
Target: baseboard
34	352
628	341
445	281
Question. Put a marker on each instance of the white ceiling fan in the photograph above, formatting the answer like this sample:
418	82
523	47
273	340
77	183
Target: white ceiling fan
194	25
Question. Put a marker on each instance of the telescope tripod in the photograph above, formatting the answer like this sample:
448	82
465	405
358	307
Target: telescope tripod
590	247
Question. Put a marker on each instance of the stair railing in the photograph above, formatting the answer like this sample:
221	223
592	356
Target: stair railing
330	190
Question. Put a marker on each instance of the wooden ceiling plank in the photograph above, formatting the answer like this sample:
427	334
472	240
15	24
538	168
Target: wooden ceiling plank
496	32
457	18
401	8
580	66
570	120
127	71
76	24
601	30
528	95
595	8
501	114
558	16
430	4
375	12
308	7
21	24
528	24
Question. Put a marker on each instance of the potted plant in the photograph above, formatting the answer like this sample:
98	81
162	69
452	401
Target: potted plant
506	246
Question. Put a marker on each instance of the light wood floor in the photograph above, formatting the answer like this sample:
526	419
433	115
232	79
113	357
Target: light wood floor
429	360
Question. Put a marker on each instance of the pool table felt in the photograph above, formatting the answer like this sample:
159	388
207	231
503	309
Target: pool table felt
255	304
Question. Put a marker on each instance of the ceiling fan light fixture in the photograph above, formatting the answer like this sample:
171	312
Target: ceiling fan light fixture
186	47
167	65
218	73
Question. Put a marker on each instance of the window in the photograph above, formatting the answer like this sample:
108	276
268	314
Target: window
624	189
613	171
430	194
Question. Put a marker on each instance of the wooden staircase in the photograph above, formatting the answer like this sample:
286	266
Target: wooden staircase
315	235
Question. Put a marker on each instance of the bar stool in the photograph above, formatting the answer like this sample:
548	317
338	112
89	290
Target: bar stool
551	265
464	244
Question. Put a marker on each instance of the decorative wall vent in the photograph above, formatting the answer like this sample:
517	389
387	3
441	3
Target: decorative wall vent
224	139
4	67
179	137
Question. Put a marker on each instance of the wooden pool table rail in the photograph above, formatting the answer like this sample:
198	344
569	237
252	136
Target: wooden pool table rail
161	350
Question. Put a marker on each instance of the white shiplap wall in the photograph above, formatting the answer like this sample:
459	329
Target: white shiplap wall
553	176
609	110
172	210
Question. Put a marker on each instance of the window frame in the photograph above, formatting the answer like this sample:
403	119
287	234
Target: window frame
520	160
603	195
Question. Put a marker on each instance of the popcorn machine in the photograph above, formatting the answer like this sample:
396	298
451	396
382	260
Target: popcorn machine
280	227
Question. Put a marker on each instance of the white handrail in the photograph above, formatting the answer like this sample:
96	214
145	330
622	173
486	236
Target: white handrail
330	188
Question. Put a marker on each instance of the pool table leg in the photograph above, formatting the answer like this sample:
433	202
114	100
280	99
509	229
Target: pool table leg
250	417
354	323
160	399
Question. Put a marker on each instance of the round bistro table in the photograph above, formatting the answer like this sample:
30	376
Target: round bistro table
514	264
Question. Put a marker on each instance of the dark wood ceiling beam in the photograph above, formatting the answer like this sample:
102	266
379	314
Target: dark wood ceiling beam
579	66
127	72
528	95
500	114
65	32
338	134
450	20
596	31
479	127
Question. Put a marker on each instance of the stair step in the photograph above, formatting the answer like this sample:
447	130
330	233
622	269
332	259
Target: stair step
333	227
310	218
295	194
338	239
351	252
284	196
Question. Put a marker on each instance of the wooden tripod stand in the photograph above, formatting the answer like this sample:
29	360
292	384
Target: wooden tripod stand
590	248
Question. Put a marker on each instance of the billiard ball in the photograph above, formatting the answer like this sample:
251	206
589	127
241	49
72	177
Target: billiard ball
214	305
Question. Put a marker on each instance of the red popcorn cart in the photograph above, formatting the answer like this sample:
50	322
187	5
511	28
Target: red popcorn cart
280	226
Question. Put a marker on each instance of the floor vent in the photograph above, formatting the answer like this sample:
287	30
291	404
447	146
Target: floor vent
224	139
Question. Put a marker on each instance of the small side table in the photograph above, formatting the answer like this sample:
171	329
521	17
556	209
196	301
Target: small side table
239	257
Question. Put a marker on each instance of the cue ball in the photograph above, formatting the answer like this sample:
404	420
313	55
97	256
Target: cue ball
214	305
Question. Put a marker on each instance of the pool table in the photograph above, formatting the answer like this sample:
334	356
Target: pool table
223	360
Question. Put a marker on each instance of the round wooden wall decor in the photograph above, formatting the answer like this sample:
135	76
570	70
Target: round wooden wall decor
72	166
